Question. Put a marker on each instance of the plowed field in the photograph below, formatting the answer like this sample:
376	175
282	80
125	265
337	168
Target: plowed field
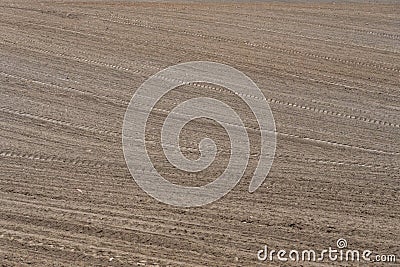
330	73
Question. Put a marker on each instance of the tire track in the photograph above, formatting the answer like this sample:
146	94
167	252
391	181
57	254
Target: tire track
114	134
334	143
141	24
159	68
327	82
291	34
295	105
59	122
333	184
298	21
112	100
57	159
64	48
320	141
75	32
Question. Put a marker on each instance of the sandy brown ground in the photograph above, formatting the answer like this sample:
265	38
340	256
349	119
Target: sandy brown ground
68	70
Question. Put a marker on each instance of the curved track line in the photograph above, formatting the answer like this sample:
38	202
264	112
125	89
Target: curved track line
59	122
97	164
57	159
229	40
53	27
291	34
99	63
316	80
338	163
72	89
298	21
296	105
314	140
95	130
139	23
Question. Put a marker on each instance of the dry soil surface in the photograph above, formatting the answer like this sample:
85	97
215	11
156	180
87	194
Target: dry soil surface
330	73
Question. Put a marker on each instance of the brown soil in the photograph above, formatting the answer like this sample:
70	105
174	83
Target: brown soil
69	69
